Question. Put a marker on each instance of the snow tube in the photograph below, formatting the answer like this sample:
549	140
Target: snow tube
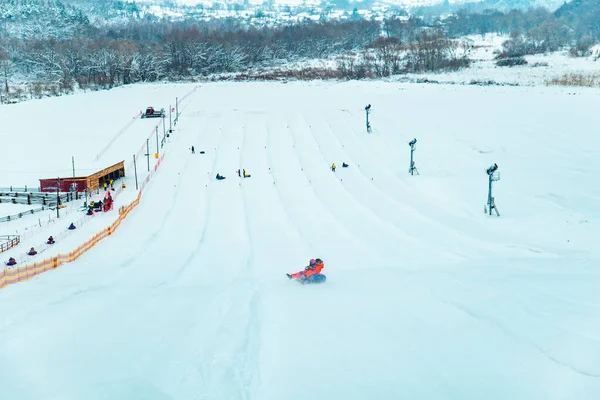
316	278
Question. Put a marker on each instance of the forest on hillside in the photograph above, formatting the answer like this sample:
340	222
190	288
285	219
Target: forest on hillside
76	53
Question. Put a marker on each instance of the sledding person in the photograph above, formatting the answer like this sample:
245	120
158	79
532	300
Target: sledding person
344	165
11	261
315	266
50	240
246	175
220	177
72	226
32	252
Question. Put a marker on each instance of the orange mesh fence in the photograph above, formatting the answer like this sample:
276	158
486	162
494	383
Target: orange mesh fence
23	273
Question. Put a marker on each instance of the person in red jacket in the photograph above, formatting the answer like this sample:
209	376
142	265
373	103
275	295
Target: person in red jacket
315	266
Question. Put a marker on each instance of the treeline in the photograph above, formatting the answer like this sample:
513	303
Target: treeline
409	49
150	50
146	52
576	25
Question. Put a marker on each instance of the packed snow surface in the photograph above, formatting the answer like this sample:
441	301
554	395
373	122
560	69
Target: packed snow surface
426	296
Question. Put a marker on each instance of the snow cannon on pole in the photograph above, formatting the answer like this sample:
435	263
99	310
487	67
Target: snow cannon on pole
493	175
412	169
367	112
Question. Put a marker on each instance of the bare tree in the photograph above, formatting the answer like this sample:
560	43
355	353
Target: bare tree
387	54
5	65
432	51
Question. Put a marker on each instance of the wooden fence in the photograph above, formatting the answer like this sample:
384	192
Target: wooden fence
8	242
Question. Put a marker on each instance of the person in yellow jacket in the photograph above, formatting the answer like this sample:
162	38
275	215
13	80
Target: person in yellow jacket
333	167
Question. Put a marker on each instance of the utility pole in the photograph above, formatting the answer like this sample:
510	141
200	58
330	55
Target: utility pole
73	160
57	197
176	110
148	153
135	169
164	130
170	120
156	139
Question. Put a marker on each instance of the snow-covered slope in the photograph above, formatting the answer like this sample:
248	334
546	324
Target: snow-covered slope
507	5
108	130
426	296
540	70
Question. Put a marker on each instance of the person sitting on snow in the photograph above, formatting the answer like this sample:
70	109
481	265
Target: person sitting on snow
246	175
344	165
72	226
313	268
220	177
32	252
50	240
11	261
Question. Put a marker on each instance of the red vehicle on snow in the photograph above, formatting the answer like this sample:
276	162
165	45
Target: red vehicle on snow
152	113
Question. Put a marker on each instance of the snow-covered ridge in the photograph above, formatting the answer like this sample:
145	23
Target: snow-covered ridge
56	17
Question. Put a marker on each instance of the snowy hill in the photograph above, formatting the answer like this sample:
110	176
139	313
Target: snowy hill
37	19
426	296
507	5
363	3
106	44
40	18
